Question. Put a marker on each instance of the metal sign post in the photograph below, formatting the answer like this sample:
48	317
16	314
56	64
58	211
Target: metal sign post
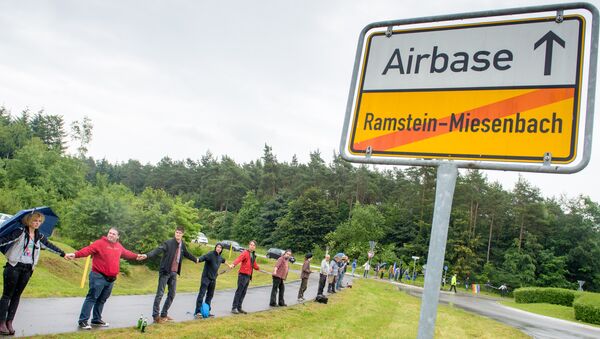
509	90
444	192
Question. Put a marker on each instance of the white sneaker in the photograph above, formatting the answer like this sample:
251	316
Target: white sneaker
84	325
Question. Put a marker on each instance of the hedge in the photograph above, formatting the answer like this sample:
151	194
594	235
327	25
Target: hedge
587	308
550	295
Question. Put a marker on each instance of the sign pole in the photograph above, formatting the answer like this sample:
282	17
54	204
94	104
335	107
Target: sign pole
444	192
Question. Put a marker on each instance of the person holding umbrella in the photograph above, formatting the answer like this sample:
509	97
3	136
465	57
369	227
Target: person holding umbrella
22	248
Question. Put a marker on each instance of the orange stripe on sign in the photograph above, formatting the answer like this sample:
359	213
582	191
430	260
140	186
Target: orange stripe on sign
500	109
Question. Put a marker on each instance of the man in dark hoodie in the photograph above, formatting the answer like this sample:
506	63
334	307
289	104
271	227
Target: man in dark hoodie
212	262
170	267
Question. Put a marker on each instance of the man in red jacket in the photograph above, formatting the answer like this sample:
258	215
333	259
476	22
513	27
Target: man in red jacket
106	253
247	261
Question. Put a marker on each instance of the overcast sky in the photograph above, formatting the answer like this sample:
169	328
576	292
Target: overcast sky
179	78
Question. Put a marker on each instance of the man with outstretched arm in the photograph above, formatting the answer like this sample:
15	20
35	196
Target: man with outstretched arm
280	272
106	253
212	261
170	267
247	261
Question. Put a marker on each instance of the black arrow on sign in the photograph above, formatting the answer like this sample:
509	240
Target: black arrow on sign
549	39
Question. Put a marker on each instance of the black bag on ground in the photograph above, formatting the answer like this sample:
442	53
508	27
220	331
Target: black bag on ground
321	299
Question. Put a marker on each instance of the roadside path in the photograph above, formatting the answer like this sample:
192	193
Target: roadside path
59	315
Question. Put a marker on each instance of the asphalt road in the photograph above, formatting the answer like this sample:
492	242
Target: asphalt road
60	315
537	326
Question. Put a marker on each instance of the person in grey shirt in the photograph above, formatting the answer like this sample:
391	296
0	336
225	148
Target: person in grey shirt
333	271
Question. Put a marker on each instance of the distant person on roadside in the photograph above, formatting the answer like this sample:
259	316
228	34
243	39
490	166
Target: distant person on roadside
333	272
106	254
381	271
467	282
304	275
367	267
212	261
247	261
173	251
23	252
391	272
453	283
280	272
503	289
397	273
353	266
323	273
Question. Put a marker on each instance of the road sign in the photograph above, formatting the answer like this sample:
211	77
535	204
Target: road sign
511	91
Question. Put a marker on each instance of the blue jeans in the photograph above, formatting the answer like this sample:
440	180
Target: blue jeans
164	280
100	290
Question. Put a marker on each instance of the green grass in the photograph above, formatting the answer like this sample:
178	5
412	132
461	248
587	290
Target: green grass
57	277
549	310
368	310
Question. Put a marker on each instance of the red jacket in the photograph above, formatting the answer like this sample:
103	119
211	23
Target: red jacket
246	264
106	256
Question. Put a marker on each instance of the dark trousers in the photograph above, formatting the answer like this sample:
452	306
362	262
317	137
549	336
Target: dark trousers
15	280
303	286
207	287
277	285
240	292
98	293
322	282
170	280
453	287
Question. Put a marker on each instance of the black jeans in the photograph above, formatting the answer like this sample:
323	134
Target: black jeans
164	280
277	285
240	292
452	287
15	280
303	286
322	282
207	287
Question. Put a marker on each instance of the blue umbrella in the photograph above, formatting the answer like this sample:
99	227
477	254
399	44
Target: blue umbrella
339	255
15	222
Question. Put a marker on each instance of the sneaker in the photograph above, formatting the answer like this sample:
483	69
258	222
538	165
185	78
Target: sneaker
283	305
167	318
300	300
99	323
158	320
84	325
235	311
210	315
242	311
198	316
273	304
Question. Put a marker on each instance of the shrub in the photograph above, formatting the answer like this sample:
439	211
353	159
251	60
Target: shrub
550	295
587	308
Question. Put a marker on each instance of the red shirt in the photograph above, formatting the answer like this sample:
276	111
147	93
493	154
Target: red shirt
105	256
246	264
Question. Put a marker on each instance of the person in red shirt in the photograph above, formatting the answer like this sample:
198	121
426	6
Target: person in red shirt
247	261
280	272
106	253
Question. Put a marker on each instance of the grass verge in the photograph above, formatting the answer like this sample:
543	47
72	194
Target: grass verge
369	310
549	310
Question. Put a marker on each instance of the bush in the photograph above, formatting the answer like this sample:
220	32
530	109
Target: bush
550	295
587	308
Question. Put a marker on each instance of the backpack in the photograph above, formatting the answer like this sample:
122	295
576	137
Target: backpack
205	310
321	299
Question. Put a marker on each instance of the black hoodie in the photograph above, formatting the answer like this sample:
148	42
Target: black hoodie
212	263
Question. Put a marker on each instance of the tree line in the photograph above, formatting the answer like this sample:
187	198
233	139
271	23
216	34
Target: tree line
517	237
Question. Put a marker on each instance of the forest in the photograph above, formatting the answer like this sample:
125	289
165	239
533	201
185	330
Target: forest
517	237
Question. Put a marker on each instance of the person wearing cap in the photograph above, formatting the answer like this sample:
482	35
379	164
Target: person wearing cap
304	274
212	261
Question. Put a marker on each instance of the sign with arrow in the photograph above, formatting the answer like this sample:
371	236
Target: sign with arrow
505	90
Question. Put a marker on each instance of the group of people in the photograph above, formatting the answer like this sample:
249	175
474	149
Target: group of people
22	249
332	273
